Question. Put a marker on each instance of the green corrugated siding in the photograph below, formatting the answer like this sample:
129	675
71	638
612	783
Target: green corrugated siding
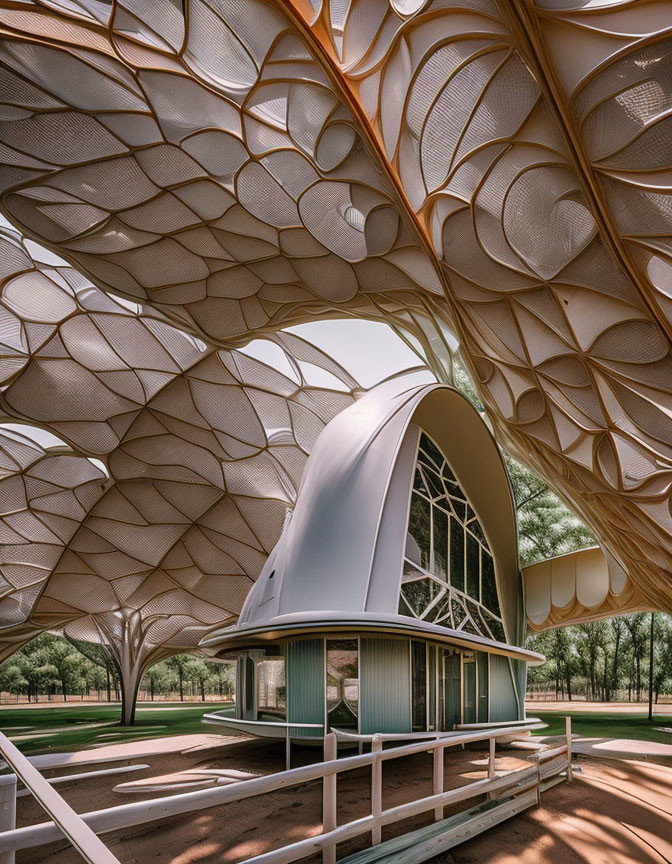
503	702
385	685
305	685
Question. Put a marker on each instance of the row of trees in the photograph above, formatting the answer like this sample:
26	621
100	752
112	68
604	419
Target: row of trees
51	666
606	660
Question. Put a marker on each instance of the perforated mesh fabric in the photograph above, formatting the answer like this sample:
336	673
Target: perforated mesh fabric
501	170
204	448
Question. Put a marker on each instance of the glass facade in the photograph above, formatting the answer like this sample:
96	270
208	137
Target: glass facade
448	574
271	685
342	683
361	689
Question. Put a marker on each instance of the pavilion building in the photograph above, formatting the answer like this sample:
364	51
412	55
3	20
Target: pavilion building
393	601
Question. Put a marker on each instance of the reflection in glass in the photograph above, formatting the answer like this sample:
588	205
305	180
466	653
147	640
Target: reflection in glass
488	584
473	567
447	554
440	544
456	554
342	683
418	538
416	592
271	688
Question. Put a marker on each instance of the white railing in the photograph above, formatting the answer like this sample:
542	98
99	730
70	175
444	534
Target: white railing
217	718
519	789
85	841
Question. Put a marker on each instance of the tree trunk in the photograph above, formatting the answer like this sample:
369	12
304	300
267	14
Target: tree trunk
65	690
179	673
202	691
614	668
109	685
653	619
151	688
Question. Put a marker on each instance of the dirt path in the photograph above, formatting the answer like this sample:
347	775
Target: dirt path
617	812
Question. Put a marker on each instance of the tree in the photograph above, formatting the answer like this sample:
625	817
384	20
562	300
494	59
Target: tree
592	637
101	656
36	665
65	659
157	676
662	678
651	664
617	628
225	677
12	679
178	663
636	626
196	670
96	678
546	527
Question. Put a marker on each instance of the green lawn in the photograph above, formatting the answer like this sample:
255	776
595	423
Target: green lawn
75	728
604	725
40	730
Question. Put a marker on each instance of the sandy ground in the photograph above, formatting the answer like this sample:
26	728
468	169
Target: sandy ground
616	812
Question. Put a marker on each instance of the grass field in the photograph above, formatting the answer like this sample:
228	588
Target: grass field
38	730
590	724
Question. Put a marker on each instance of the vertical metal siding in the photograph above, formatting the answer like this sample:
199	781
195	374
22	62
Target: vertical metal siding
384	685
305	685
503	702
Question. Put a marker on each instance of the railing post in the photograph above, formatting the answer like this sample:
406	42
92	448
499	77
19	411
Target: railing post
491	758
437	780
288	750
329	797
568	733
376	789
7	811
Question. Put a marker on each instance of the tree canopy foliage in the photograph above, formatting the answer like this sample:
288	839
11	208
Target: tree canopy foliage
604	660
53	667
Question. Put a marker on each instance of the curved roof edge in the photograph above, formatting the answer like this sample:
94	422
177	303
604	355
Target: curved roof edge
284	626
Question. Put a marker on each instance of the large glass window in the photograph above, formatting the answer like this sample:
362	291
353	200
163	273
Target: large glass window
342	683
449	573
271	687
483	673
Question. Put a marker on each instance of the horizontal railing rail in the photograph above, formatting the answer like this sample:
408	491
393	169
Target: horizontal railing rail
493	724
515	783
217	718
86	842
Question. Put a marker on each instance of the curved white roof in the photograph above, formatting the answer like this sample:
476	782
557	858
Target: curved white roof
339	558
